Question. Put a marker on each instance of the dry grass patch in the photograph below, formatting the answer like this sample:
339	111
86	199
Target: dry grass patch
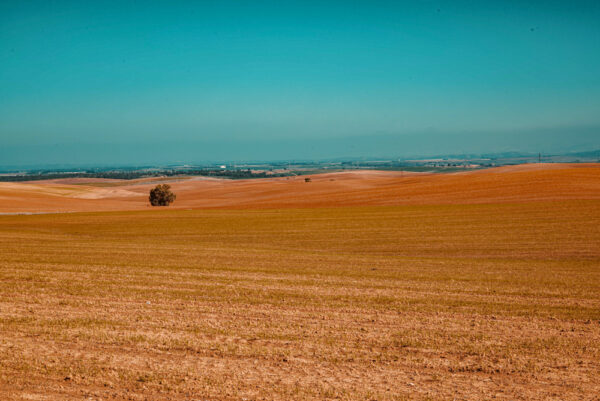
386	303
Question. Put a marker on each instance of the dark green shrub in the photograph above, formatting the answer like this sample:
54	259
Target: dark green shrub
161	195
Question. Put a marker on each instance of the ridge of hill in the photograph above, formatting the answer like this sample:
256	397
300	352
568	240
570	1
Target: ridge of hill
521	183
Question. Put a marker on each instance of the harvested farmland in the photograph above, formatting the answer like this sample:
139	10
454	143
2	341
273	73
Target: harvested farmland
489	291
533	182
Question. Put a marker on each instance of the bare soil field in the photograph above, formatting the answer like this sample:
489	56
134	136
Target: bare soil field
468	286
531	182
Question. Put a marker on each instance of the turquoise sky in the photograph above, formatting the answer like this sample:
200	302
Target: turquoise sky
133	82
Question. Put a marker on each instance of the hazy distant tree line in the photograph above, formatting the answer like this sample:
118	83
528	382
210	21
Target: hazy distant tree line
130	175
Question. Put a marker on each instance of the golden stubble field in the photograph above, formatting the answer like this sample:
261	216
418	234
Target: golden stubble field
438	302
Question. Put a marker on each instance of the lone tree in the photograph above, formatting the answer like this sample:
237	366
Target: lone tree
161	195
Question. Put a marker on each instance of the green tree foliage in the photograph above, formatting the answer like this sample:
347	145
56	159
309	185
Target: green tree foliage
161	195
133	174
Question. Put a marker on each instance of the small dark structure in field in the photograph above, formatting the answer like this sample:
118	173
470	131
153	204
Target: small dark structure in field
307	179
161	195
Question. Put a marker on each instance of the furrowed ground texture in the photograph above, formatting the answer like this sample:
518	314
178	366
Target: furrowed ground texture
474	301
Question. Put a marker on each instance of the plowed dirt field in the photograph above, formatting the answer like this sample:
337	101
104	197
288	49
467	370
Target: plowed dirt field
355	286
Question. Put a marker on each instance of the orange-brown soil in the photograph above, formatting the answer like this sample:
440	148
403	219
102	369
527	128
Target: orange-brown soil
469	286
533	182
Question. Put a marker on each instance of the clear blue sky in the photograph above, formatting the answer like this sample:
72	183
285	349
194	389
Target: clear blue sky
190	81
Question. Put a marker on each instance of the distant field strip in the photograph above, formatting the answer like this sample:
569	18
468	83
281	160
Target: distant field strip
356	303
509	184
